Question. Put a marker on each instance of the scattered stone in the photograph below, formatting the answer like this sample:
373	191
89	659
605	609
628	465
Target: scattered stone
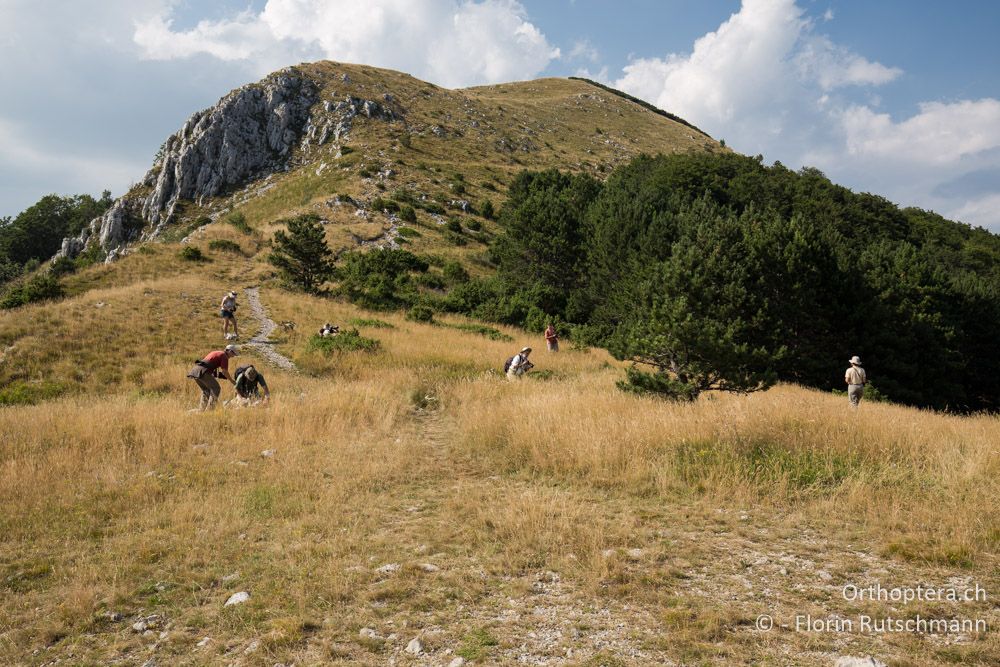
113	616
230	577
237	598
150	663
267	453
368	633
457	662
635	554
252	646
851	661
414	647
388	568
824	575
429	567
139	626
204	642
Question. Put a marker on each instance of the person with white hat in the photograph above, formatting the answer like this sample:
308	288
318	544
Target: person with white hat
228	315
518	365
215	364
856	380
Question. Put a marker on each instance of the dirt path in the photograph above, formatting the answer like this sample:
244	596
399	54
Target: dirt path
261	341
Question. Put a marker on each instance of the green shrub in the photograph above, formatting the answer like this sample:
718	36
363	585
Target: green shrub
239	221
482	330
39	288
190	253
60	266
409	232
455	273
407	213
455	239
365	172
433	207
474	225
380	204
370	323
431	281
454	225
420	314
346	150
486	209
345	341
657	384
225	245
20	392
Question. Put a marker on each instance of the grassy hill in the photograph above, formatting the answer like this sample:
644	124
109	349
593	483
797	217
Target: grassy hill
411	492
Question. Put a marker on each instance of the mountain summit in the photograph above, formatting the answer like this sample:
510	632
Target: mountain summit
309	118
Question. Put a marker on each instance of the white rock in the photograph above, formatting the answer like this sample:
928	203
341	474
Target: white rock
252	646
368	633
429	567
457	662
267	453
139	626
635	553
388	568
204	642
850	661
414	647
237	598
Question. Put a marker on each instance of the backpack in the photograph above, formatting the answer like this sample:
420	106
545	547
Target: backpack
506	366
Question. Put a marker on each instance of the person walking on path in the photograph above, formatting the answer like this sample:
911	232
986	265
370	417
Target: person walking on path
228	314
551	338
518	365
206	370
856	380
249	382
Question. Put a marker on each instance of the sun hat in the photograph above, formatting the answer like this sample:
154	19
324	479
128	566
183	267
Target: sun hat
252	373
856	360
525	349
232	293
233	350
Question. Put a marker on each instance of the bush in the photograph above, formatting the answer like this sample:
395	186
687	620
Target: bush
239	221
431	281
433	208
225	245
190	253
420	314
454	225
407	213
455	239
345	341
61	266
657	384
482	330
380	204
380	279
455	273
40	288
302	256
20	392
409	232
474	225
487	210
370	323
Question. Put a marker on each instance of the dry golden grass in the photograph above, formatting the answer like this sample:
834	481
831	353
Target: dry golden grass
560	513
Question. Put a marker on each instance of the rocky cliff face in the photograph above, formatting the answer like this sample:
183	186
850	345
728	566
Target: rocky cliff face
252	132
248	134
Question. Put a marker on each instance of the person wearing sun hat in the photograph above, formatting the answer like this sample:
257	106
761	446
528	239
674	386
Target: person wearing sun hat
215	364
856	379
518	365
227	311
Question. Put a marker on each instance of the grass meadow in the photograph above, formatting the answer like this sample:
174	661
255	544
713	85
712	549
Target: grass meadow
415	493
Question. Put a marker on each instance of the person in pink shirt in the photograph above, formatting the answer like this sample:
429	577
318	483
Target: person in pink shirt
551	338
215	364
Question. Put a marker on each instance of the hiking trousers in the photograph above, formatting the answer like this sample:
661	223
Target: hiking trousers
854	394
210	389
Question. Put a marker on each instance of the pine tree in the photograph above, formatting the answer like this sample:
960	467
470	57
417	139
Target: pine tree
302	256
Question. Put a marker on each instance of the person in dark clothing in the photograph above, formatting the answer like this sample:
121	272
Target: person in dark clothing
215	364
249	382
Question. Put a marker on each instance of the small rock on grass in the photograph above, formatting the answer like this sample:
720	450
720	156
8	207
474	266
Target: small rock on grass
414	647
268	453
388	568
429	567
204	642
457	662
851	661
368	633
237	598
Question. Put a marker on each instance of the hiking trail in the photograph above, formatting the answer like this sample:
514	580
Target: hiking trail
261	341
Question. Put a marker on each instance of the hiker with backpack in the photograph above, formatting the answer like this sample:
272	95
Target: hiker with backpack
227	311
215	364
249	382
518	365
329	330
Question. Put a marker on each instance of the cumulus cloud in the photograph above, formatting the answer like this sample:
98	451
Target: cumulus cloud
769	82
448	42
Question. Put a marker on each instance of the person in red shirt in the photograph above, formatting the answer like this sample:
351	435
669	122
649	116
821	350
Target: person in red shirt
551	338
206	370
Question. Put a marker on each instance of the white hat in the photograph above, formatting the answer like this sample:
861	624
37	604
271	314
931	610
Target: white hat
525	349
233	294
856	360
232	350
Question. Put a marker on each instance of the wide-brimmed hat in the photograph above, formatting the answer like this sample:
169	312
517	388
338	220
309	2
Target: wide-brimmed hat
856	360
233	294
525	349
232	350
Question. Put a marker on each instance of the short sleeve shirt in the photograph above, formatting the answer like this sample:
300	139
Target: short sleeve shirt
217	359
855	375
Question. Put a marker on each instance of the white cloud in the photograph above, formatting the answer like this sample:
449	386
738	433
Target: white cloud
768	82
446	41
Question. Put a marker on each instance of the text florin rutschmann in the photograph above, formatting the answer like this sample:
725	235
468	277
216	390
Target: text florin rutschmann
907	623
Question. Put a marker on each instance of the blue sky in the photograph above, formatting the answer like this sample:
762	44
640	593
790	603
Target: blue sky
892	97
